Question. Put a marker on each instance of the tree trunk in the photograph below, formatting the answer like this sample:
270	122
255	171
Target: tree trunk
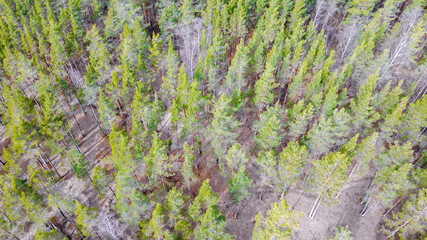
315	207
120	108
96	119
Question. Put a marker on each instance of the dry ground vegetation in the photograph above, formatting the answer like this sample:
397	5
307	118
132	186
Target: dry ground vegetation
213	119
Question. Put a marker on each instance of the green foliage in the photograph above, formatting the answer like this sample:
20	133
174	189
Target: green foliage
80	165
84	216
212	225
187	167
342	234
299	117
269	127
278	224
291	161
329	175
223	126
410	220
155	228
267	161
157	161
100	180
205	199
174	204
240	184
236	157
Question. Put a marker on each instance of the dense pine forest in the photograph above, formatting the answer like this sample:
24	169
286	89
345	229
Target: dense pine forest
213	119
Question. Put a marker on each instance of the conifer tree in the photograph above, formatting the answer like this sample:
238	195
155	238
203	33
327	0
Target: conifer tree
236	74
364	153
169	81
155	228
329	176
342	234
174	204
264	86
361	108
268	128
100	180
84	216
107	111
157	161
155	51
212	225
205	199
268	173
414	119
390	182
223	127
278	224
235	158
291	161
410	220
187	167
393	120
240	184
299	117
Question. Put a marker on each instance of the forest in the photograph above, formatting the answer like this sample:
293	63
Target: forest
213	119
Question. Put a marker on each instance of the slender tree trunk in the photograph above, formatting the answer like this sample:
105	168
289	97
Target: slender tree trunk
284	191
394	205
96	119
315	206
348	179
397	229
120	108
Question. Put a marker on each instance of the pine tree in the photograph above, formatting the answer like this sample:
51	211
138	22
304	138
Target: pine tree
364	153
393	120
236	75
268	128
187	167
107	111
157	161
169	82
205	199
169	18
238	28
235	158
328	178
131	202
155	51
80	165
397	153
174	204
51	119
240	184
278	224
299	117
99	57
414	119
291	161
342	234
390	182
100	180
212	225
155	228
410	220
268	173
362	111
264	86
84	216
223	127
